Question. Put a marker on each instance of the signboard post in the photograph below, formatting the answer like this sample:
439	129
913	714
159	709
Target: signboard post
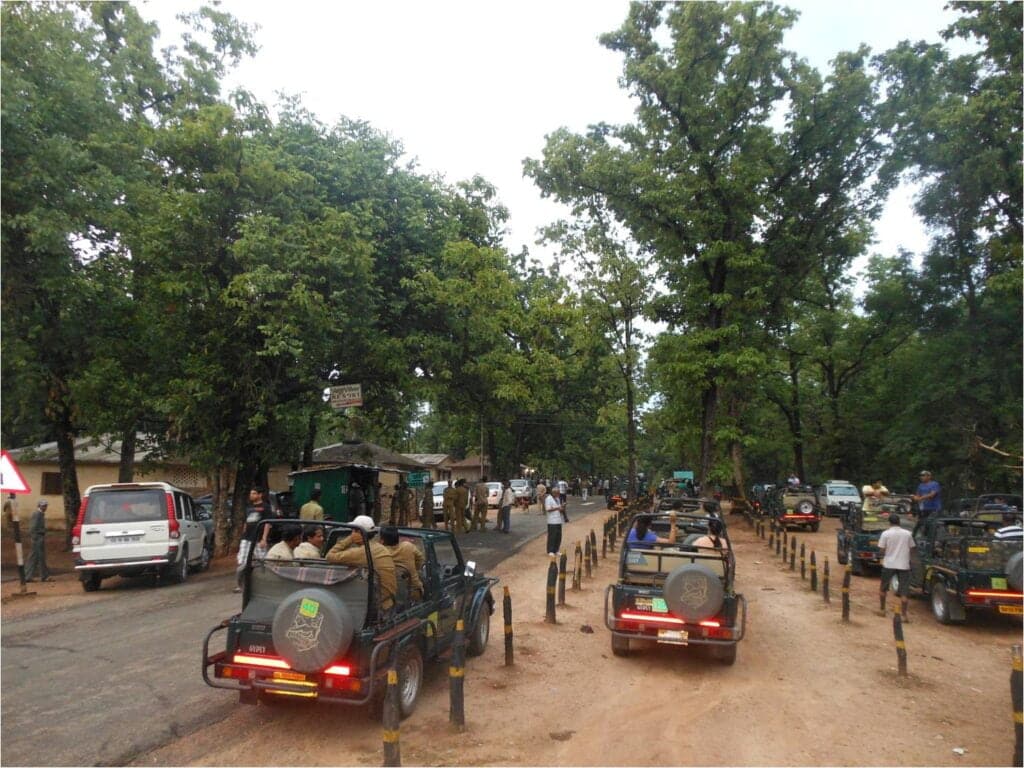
346	396
682	474
417	479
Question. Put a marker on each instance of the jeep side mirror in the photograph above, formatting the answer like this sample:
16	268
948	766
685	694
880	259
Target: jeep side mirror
470	569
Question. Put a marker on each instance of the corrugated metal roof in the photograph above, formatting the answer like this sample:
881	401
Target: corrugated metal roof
364	453
95	450
471	461
430	459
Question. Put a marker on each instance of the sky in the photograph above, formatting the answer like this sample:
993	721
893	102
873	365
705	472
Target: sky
474	87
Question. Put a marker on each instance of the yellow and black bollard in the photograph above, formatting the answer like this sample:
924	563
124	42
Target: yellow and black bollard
846	595
577	568
785	542
506	605
593	549
562	558
604	547
901	647
814	573
771	536
457	678
792	554
824	583
549	615
803	561
586	556
1016	694
392	717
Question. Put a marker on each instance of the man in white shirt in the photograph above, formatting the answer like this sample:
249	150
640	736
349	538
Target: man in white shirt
895	543
291	535
508	498
312	543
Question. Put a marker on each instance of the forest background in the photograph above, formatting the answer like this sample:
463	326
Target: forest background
191	265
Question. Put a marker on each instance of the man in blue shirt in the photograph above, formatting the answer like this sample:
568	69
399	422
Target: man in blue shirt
929	495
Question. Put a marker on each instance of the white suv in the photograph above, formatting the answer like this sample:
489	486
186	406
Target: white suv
133	529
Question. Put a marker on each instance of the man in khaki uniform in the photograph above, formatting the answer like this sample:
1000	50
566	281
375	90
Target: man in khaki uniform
480	492
427	505
312	510
449	506
350	551
407	556
461	504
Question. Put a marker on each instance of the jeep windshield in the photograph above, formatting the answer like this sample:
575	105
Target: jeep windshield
843	490
125	506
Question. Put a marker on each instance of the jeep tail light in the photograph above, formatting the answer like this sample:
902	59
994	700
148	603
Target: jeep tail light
341	670
994	593
657	618
172	521
710	623
76	532
272	662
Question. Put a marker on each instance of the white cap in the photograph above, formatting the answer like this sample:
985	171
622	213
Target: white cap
363	522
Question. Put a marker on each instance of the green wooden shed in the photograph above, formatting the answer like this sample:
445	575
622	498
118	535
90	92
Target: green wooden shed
334	482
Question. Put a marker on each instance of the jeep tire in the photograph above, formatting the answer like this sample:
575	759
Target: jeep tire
620	645
177	572
91	582
410	678
942	605
1015	570
311	628
481	632
693	592
725	654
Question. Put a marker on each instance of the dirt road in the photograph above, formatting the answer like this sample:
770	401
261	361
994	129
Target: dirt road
806	689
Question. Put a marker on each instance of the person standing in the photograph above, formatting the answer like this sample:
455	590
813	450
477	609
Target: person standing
427	505
480	493
555	519
448	502
895	544
37	555
255	533
461	506
542	492
508	498
312	510
407	557
356	500
873	495
9	510
929	495
351	551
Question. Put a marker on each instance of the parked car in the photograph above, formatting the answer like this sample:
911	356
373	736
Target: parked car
524	491
135	529
312	629
677	594
835	497
959	564
494	495
989	506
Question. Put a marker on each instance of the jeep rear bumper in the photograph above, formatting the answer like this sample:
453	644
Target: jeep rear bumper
668	629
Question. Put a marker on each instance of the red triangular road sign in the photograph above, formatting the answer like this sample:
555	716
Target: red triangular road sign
11	480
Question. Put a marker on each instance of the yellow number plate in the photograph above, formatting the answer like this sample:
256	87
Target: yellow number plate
295	676
673	636
1013	610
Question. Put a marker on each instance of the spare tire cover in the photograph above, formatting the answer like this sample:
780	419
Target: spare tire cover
1015	570
311	628
694	592
806	507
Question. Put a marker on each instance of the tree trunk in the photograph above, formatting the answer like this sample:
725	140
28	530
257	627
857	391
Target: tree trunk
310	444
631	430
68	472
708	418
126	467
795	420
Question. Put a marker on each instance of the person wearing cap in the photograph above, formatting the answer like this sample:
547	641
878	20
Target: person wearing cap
351	551
895	544
37	532
929	495
407	556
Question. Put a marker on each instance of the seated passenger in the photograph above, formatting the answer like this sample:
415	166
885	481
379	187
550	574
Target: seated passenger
291	535
312	544
640	533
714	537
351	552
408	556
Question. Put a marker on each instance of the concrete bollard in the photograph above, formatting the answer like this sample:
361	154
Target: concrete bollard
549	615
785	540
457	677
586	556
577	568
846	595
803	561
506	605
392	718
562	558
771	537
1016	694
792	554
901	647
593	549
824	584
604	547
814	573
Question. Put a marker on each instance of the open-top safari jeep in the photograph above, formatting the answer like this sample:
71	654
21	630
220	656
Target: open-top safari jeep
677	594
796	505
314	629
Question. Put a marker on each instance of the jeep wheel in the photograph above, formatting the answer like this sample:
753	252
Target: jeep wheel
814	527
856	565
311	628
178	571
805	508
91	583
694	592
726	654
1015	570
620	645
841	554
481	632
204	558
410	678
941	604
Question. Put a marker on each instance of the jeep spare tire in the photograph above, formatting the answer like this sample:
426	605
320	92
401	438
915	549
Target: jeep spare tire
805	508
694	592
1015	570
311	628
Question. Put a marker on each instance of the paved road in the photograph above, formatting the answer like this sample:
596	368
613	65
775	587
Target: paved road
97	683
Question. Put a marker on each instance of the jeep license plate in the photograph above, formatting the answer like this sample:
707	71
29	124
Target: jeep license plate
1013	610
124	539
296	677
673	636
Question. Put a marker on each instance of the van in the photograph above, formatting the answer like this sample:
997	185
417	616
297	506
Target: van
835	496
135	529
